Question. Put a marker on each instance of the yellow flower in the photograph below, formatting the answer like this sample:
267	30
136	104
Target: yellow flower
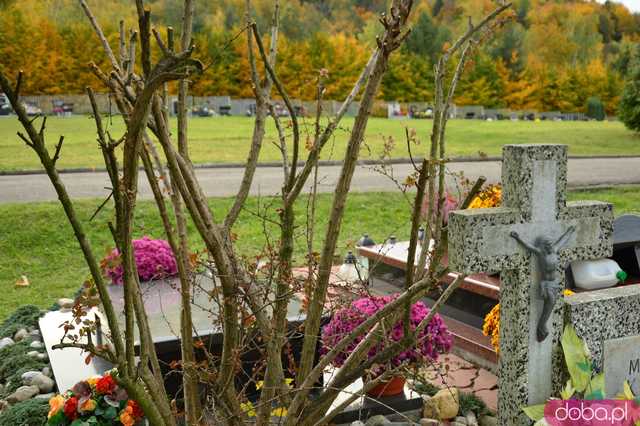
259	384
55	404
279	412
88	405
92	381
568	292
491	196
491	327
247	407
288	382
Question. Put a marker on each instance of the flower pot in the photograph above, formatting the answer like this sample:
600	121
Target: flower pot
391	387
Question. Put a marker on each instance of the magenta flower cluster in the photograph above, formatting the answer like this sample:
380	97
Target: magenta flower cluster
433	340
154	260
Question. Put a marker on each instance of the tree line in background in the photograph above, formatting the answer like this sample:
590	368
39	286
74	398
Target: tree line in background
561	55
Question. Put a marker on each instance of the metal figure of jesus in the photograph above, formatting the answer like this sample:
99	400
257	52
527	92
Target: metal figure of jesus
546	252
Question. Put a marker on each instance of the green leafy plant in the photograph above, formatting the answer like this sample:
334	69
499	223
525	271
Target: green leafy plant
24	317
32	412
629	108
595	109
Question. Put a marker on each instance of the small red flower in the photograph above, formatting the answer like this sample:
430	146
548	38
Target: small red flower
105	385
136	410
71	408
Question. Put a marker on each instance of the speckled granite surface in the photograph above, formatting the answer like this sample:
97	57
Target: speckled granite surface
534	205
602	315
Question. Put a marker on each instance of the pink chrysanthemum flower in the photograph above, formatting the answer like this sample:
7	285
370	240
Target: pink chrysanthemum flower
154	260
433	340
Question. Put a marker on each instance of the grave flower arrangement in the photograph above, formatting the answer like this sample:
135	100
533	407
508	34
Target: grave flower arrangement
97	401
433	340
490	196
491	323
154	260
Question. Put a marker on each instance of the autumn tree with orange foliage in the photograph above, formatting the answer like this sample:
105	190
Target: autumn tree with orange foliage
552	56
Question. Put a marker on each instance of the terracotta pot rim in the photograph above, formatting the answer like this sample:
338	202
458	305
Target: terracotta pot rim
393	386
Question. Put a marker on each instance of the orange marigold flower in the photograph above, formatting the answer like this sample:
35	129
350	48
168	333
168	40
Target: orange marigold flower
136	410
127	419
55	404
88	405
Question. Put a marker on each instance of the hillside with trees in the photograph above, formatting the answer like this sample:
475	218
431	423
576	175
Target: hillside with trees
549	55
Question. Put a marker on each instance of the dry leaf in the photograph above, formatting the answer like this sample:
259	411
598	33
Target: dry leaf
23	282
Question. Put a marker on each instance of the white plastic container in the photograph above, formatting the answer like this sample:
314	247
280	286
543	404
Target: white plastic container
595	274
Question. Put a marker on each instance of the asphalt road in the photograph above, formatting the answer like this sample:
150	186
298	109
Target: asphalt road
224	182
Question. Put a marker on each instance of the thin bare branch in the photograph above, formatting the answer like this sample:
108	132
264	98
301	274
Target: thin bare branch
56	155
123	45
262	93
314	155
101	36
161	44
285	97
18	84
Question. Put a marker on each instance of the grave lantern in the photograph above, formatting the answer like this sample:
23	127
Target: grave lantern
363	261
348	271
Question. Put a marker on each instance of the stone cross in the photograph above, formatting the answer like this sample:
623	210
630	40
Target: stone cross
534	179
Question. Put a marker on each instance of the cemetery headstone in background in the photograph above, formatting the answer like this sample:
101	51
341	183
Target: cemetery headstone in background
534	179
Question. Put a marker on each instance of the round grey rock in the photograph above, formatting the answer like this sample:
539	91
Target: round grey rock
45	396
7	341
44	383
65	303
20	334
28	376
42	357
378	420
35	334
33	354
22	394
471	419
357	423
461	420
36	344
488	421
429	422
47	371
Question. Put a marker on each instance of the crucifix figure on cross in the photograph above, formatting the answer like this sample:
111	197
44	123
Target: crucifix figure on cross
546	251
550	233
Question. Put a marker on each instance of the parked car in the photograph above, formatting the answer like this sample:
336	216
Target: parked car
61	108
280	110
414	112
203	111
5	106
31	108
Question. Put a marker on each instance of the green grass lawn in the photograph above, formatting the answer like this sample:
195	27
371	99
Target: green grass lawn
36	241
226	139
